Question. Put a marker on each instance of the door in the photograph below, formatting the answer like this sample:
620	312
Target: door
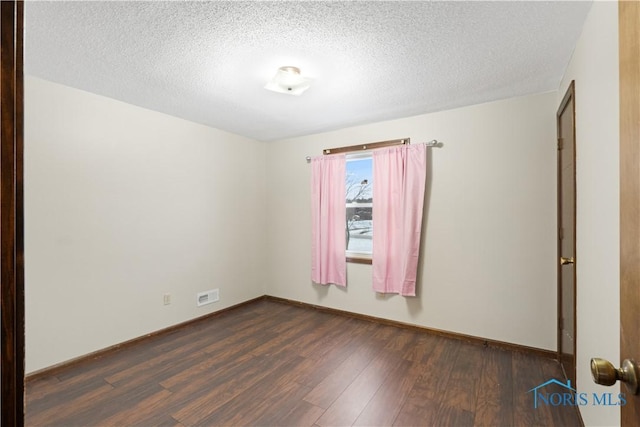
629	31
629	372
567	235
11	216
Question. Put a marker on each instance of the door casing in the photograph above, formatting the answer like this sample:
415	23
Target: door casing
566	233
11	213
629	50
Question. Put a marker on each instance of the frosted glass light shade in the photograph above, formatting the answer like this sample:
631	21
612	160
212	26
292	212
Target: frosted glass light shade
288	80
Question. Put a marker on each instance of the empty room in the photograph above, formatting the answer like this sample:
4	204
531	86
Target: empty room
320	213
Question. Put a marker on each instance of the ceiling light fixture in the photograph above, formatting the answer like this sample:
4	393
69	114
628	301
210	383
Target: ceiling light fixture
288	80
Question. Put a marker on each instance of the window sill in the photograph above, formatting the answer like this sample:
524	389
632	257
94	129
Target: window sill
359	260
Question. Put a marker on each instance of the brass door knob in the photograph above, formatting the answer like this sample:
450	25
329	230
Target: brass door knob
565	261
604	373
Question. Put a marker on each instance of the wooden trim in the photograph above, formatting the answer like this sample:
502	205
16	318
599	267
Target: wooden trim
355	260
370	146
19	177
571	91
11	214
55	369
629	58
570	95
549	354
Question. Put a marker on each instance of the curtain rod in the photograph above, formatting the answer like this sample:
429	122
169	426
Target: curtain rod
404	141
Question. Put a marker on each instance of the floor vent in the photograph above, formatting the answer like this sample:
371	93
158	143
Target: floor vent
207	297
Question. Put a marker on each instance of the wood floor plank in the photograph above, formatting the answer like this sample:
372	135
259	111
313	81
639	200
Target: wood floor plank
147	412
462	387
401	340
41	387
421	347
108	404
167	421
335	383
288	331
199	374
323	363
385	405
565	415
196	402
68	393
55	411
329	331
423	403
433	381
270	410
302	414
243	378
418	412
261	321
495	393
453	416
160	367
105	365
193	335
346	408
270	394
274	364
527	374
385	332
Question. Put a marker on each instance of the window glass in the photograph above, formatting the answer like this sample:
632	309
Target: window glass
359	204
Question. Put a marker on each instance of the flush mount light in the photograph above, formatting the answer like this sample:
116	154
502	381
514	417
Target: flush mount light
288	80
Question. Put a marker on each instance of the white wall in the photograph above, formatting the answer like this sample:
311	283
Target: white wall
489	236
594	67
123	205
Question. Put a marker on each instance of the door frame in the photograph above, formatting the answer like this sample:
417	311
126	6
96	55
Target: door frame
570	95
12	213
629	49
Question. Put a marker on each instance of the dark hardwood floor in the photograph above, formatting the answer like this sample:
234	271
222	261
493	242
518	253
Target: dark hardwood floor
274	364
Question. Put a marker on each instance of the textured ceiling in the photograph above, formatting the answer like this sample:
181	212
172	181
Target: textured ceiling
370	60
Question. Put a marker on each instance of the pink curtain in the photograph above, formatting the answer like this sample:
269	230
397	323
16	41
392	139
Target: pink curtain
328	240
399	175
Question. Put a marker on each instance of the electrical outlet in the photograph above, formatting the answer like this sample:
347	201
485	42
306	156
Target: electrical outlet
167	299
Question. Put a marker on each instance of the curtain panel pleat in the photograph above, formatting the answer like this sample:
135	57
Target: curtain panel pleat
399	179
328	216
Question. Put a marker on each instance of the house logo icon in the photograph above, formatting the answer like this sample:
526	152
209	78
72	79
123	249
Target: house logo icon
570	391
565	395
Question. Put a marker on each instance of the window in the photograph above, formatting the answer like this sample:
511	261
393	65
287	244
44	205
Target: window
399	176
359	206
